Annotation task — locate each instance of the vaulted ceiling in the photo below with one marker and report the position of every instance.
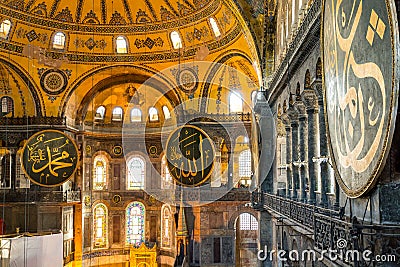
(63, 79)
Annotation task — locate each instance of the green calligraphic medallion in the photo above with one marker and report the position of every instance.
(50, 158)
(359, 41)
(190, 156)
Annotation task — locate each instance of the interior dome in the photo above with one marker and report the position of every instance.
(70, 51)
(91, 30)
(108, 12)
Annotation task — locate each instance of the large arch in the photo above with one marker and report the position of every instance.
(29, 83)
(108, 76)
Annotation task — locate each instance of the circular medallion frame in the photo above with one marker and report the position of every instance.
(117, 150)
(187, 80)
(175, 146)
(56, 155)
(53, 81)
(360, 88)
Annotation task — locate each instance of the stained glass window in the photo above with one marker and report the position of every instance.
(166, 224)
(135, 220)
(136, 172)
(59, 40)
(100, 173)
(100, 226)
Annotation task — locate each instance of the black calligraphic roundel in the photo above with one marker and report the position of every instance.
(49, 158)
(360, 48)
(190, 156)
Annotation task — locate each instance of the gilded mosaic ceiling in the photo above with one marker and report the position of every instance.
(108, 12)
(61, 77)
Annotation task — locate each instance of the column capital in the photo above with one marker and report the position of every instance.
(293, 115)
(300, 107)
(310, 100)
(317, 88)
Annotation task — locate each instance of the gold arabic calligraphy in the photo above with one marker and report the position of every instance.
(352, 94)
(190, 156)
(50, 156)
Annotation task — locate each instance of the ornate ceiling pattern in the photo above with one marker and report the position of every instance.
(107, 12)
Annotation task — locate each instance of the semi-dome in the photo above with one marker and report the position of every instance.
(73, 53)
(123, 30)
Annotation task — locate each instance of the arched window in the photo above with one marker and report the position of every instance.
(245, 168)
(248, 222)
(100, 112)
(215, 27)
(235, 103)
(7, 105)
(5, 168)
(176, 40)
(136, 172)
(100, 226)
(136, 115)
(117, 114)
(166, 226)
(5, 28)
(245, 163)
(167, 114)
(166, 176)
(135, 221)
(153, 114)
(21, 180)
(100, 173)
(59, 40)
(122, 45)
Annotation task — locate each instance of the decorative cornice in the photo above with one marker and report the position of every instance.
(123, 29)
(134, 57)
(307, 36)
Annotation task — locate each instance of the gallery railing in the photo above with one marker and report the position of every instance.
(39, 196)
(37, 120)
(221, 117)
(332, 231)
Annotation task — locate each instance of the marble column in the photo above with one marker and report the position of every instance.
(295, 158)
(289, 184)
(310, 101)
(323, 142)
(231, 159)
(293, 116)
(303, 157)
